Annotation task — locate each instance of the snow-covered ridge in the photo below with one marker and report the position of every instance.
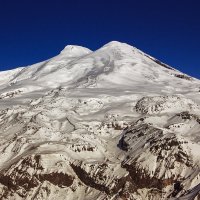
(75, 51)
(164, 104)
(115, 123)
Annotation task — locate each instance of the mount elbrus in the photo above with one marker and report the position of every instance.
(111, 124)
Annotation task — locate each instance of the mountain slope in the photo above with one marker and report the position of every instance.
(111, 124)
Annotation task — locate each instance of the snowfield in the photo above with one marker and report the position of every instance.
(115, 124)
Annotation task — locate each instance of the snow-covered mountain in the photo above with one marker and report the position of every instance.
(115, 123)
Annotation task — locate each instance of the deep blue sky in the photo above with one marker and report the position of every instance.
(35, 30)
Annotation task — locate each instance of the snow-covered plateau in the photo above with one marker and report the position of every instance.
(113, 124)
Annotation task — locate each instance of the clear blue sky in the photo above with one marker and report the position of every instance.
(35, 30)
